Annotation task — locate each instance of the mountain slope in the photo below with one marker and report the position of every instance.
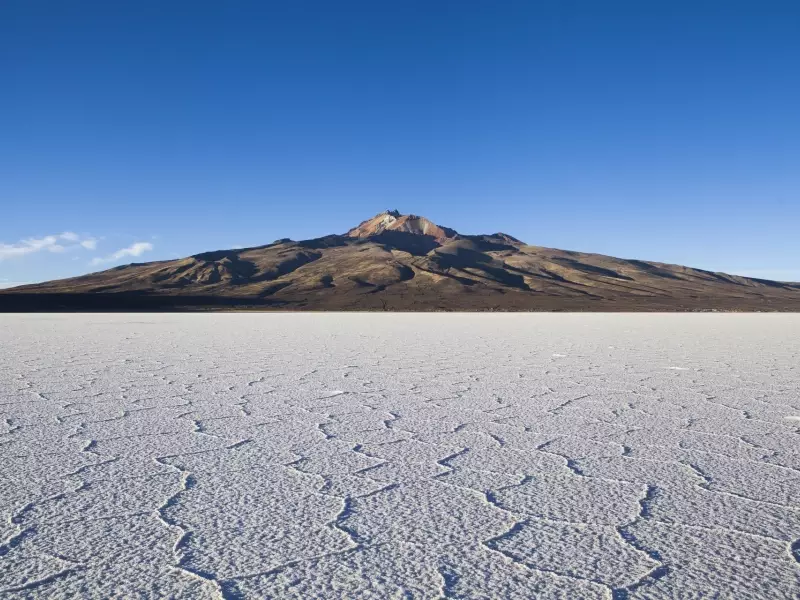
(406, 262)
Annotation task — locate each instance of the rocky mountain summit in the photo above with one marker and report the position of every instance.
(392, 220)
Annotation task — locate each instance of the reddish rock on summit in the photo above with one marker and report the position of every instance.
(392, 220)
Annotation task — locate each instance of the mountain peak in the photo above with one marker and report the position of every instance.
(393, 220)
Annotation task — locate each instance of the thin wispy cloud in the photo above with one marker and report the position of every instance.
(136, 249)
(61, 242)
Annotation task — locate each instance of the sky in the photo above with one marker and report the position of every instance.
(140, 130)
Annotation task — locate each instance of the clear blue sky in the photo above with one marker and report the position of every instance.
(662, 130)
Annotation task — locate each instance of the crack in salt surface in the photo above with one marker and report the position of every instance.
(794, 550)
(570, 463)
(449, 581)
(37, 583)
(492, 544)
(187, 483)
(659, 571)
(707, 481)
(340, 524)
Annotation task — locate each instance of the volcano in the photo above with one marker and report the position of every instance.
(405, 263)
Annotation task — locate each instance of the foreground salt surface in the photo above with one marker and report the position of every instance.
(400, 456)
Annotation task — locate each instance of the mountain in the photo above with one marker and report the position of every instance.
(405, 262)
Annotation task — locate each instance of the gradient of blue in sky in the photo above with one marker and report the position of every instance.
(656, 130)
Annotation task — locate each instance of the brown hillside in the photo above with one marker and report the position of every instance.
(406, 262)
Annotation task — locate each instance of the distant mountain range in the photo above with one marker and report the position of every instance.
(405, 262)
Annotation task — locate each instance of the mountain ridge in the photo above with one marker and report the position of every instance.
(393, 261)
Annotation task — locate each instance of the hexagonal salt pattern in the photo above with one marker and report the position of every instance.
(400, 456)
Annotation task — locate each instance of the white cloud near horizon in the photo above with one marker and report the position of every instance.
(61, 242)
(136, 249)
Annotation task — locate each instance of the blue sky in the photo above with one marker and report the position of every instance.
(144, 130)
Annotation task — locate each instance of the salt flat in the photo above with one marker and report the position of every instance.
(400, 456)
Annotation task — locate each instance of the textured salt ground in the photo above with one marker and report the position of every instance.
(400, 456)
